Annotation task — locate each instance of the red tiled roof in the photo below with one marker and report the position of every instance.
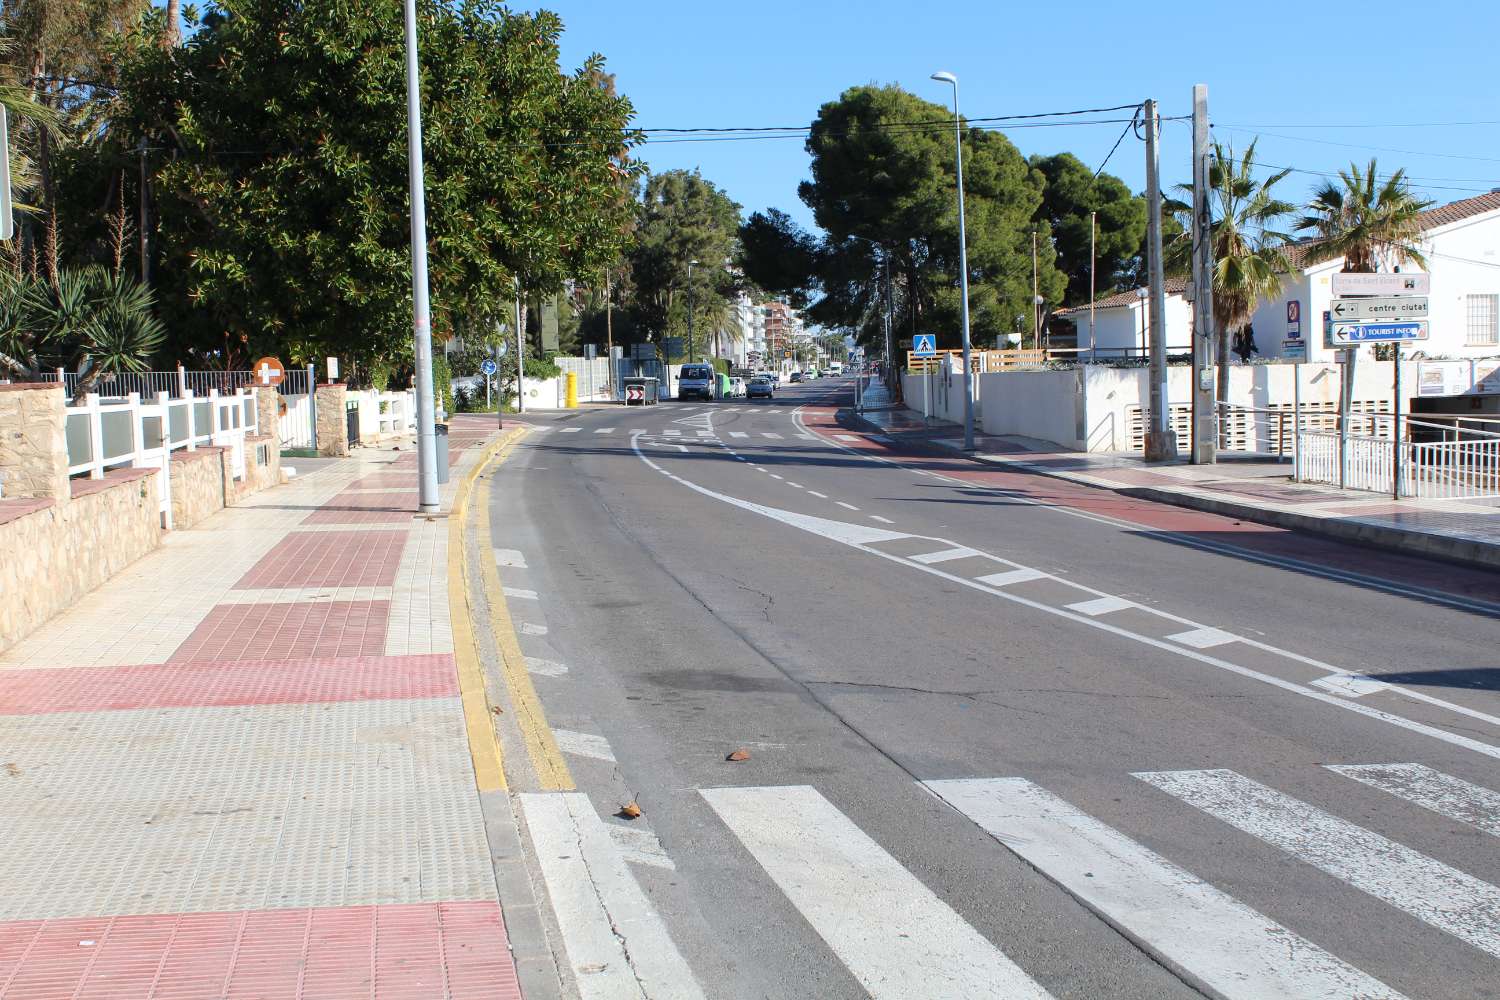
(1174, 286)
(1457, 211)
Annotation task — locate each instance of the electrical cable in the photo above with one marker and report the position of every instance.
(1128, 126)
(1355, 145)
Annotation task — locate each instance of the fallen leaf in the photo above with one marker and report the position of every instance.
(12, 770)
(740, 754)
(630, 810)
(495, 710)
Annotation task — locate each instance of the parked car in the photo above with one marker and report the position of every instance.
(697, 382)
(761, 388)
(796, 376)
(737, 388)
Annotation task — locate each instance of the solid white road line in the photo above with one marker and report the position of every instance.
(1444, 794)
(523, 594)
(584, 745)
(1218, 941)
(1010, 576)
(672, 433)
(891, 931)
(614, 938)
(640, 846)
(510, 557)
(1448, 899)
(1101, 606)
(738, 434)
(944, 555)
(1351, 685)
(1203, 638)
(545, 668)
(775, 476)
(570, 430)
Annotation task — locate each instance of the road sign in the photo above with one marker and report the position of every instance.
(1379, 333)
(1401, 309)
(1294, 349)
(635, 393)
(1382, 284)
(924, 345)
(487, 367)
(269, 371)
(1294, 319)
(7, 216)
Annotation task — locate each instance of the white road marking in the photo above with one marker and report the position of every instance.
(604, 430)
(1101, 605)
(510, 557)
(545, 668)
(738, 434)
(1227, 947)
(531, 628)
(525, 595)
(892, 932)
(1351, 685)
(584, 745)
(848, 437)
(1203, 638)
(808, 437)
(570, 430)
(640, 846)
(795, 486)
(705, 434)
(815, 493)
(1429, 890)
(672, 433)
(639, 430)
(847, 506)
(775, 476)
(1444, 794)
(882, 520)
(945, 555)
(768, 434)
(616, 942)
(1009, 577)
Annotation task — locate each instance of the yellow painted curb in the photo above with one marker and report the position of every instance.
(484, 744)
(541, 746)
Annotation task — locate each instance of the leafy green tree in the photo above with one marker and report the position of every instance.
(281, 177)
(1119, 225)
(1363, 220)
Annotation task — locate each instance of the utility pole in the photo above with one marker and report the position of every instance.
(690, 310)
(1093, 260)
(1205, 415)
(520, 354)
(1036, 312)
(609, 335)
(1161, 441)
(145, 239)
(427, 494)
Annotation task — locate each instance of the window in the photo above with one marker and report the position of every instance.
(1483, 311)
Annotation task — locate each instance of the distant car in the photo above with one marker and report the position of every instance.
(697, 382)
(761, 387)
(737, 388)
(796, 376)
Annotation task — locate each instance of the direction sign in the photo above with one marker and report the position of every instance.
(1379, 333)
(269, 371)
(1382, 310)
(1294, 349)
(487, 367)
(1382, 284)
(924, 345)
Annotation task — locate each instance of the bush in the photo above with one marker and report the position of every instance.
(442, 381)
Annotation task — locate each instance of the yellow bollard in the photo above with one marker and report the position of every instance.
(571, 392)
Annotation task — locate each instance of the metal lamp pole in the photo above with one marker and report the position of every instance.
(963, 260)
(427, 494)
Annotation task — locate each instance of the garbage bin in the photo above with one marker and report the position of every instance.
(440, 451)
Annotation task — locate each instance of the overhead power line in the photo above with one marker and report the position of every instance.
(1354, 145)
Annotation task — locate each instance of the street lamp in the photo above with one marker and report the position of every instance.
(963, 261)
(1036, 314)
(1142, 294)
(691, 263)
(427, 484)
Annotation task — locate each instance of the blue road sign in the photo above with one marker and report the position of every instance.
(924, 345)
(1379, 333)
(488, 367)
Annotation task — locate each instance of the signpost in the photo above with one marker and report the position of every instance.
(924, 345)
(1294, 348)
(1416, 283)
(1402, 309)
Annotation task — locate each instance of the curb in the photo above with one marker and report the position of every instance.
(1467, 551)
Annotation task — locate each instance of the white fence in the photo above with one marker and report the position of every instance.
(1463, 461)
(104, 435)
(177, 383)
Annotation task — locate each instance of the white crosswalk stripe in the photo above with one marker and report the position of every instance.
(604, 430)
(1229, 948)
(1445, 795)
(769, 434)
(945, 555)
(1435, 893)
(738, 434)
(893, 933)
(570, 430)
(616, 942)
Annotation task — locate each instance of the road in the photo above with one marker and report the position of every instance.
(1007, 737)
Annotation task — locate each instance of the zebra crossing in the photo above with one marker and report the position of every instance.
(897, 938)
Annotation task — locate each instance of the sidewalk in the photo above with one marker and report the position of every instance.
(1462, 530)
(240, 768)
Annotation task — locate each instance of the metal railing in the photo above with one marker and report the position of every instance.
(1435, 456)
(177, 383)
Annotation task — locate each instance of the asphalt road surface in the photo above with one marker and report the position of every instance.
(1007, 737)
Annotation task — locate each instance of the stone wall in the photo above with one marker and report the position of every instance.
(52, 557)
(33, 448)
(197, 485)
(333, 426)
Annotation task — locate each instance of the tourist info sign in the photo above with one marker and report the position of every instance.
(1345, 334)
(1400, 310)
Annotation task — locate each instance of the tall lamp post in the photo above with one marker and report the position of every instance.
(691, 263)
(1143, 294)
(963, 260)
(427, 493)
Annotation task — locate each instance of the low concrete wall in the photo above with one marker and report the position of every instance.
(1039, 404)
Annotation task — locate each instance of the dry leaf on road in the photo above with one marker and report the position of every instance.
(629, 810)
(740, 754)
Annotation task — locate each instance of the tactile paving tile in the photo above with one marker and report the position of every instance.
(183, 810)
(235, 682)
(288, 631)
(419, 621)
(455, 950)
(329, 559)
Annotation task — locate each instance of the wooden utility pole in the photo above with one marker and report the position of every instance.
(1205, 416)
(1161, 441)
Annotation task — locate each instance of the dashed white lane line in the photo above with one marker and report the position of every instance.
(882, 520)
(795, 486)
(775, 476)
(510, 557)
(945, 555)
(1203, 638)
(519, 592)
(768, 434)
(1439, 895)
(1237, 952)
(1444, 794)
(570, 430)
(815, 493)
(1009, 577)
(738, 434)
(846, 506)
(672, 433)
(584, 745)
(1101, 606)
(604, 430)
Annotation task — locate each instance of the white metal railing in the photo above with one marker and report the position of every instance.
(177, 383)
(1432, 457)
(106, 433)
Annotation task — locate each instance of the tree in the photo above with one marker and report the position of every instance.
(1363, 222)
(1249, 262)
(1119, 225)
(778, 256)
(281, 184)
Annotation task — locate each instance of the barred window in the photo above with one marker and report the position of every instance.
(1483, 311)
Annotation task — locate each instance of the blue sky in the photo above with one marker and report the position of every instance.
(1305, 76)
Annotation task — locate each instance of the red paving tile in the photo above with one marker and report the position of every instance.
(385, 480)
(421, 951)
(234, 682)
(329, 559)
(370, 517)
(288, 631)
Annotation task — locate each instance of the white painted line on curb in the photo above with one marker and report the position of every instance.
(892, 932)
(545, 668)
(1444, 794)
(1444, 897)
(1233, 950)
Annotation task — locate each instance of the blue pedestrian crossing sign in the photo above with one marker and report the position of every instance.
(488, 367)
(924, 345)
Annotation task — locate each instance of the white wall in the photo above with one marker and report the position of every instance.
(1038, 404)
(1118, 328)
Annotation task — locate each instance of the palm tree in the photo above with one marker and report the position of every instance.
(1249, 262)
(1362, 222)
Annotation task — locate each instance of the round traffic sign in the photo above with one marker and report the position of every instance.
(488, 366)
(269, 372)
